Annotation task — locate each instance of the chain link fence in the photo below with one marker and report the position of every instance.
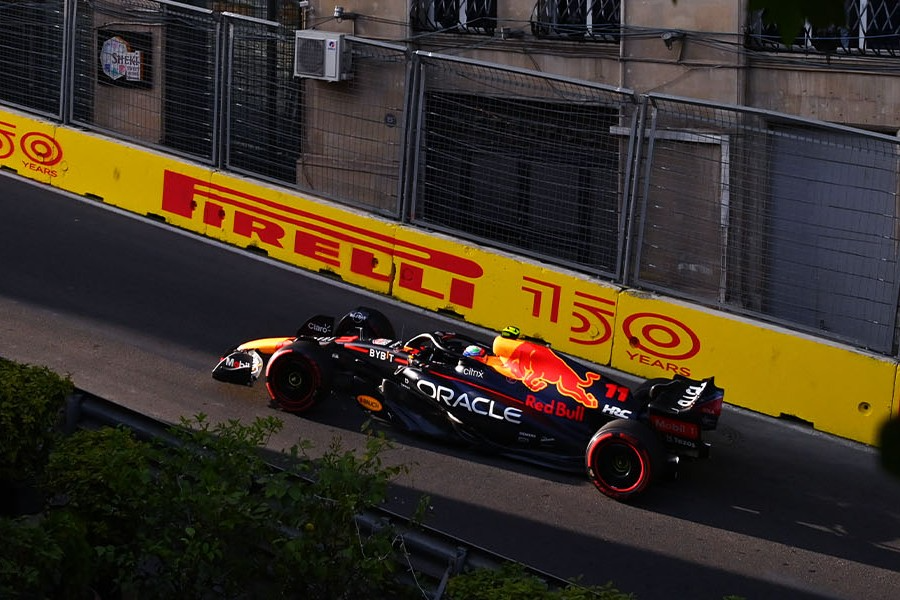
(262, 101)
(534, 163)
(32, 61)
(148, 72)
(762, 214)
(773, 216)
(354, 138)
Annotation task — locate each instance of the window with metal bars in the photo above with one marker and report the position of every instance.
(871, 27)
(586, 19)
(454, 16)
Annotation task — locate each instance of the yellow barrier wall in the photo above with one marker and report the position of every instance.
(762, 368)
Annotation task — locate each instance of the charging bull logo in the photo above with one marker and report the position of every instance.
(537, 366)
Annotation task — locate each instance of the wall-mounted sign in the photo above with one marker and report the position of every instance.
(125, 58)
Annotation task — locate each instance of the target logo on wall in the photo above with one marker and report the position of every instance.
(40, 151)
(660, 341)
(41, 148)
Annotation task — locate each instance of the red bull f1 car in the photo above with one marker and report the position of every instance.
(515, 396)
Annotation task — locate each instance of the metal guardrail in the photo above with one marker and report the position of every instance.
(433, 556)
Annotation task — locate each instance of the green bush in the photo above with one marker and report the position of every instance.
(206, 517)
(331, 558)
(513, 582)
(32, 402)
(44, 558)
(105, 479)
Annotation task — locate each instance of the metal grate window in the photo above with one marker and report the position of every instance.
(523, 162)
(263, 101)
(170, 100)
(31, 59)
(788, 220)
(454, 16)
(871, 27)
(589, 19)
(878, 26)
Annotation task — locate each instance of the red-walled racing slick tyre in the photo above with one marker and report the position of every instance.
(297, 377)
(623, 457)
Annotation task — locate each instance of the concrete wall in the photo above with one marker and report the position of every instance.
(869, 99)
(691, 63)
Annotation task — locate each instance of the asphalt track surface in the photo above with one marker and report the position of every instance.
(138, 313)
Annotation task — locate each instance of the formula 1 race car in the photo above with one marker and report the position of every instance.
(515, 396)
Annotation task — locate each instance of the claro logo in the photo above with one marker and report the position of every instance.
(473, 404)
(319, 328)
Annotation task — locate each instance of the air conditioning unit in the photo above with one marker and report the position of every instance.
(321, 55)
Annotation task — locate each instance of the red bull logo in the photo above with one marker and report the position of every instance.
(555, 407)
(537, 366)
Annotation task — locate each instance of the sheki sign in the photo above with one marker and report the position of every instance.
(118, 60)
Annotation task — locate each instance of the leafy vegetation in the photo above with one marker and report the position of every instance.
(207, 517)
(32, 400)
(792, 15)
(513, 582)
(202, 515)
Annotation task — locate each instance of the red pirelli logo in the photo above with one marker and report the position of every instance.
(336, 245)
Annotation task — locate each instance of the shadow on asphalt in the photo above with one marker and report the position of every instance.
(765, 481)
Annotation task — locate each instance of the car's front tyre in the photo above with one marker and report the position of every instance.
(297, 376)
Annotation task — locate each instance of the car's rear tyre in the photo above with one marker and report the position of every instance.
(623, 458)
(297, 376)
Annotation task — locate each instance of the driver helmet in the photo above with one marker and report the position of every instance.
(511, 331)
(474, 351)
